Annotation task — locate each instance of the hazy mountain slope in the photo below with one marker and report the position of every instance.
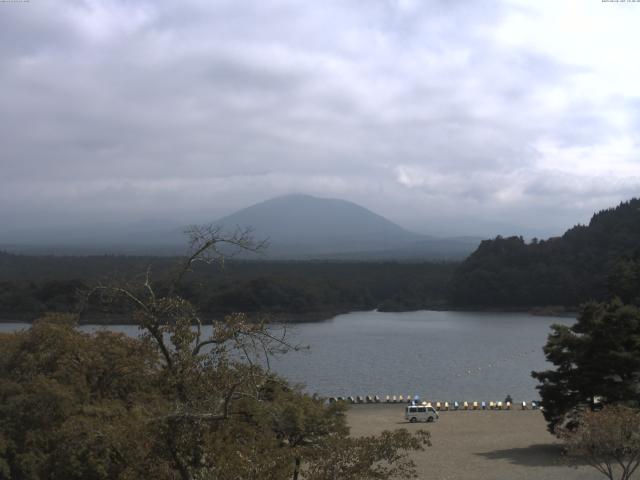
(296, 226)
(149, 236)
(302, 224)
(441, 249)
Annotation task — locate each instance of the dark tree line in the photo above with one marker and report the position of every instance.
(30, 286)
(592, 262)
(578, 266)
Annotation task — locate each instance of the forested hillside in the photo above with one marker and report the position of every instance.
(299, 291)
(589, 262)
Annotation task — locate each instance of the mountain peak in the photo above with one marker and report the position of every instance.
(322, 224)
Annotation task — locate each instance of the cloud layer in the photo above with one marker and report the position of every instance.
(448, 117)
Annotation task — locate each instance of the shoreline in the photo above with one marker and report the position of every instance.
(122, 319)
(305, 317)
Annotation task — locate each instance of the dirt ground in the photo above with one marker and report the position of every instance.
(474, 445)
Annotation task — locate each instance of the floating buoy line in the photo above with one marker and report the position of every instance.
(476, 370)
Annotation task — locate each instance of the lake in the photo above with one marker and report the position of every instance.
(437, 355)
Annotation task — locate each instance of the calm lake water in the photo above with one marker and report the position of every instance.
(437, 355)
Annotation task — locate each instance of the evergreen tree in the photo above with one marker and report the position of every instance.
(597, 357)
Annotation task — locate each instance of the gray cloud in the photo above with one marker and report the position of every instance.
(423, 111)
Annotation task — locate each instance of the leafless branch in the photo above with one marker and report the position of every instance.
(204, 241)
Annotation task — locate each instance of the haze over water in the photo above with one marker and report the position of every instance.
(437, 355)
(440, 355)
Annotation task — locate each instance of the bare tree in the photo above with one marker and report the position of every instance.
(224, 416)
(208, 376)
(210, 244)
(608, 440)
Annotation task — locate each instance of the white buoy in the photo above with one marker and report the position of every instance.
(400, 399)
(499, 405)
(446, 405)
(524, 405)
(456, 405)
(438, 406)
(387, 399)
(394, 399)
(507, 405)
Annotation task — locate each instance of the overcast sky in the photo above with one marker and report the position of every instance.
(444, 116)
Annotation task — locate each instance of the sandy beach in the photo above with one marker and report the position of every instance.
(496, 445)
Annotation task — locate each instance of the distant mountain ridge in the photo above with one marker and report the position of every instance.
(296, 226)
(306, 218)
(303, 226)
(318, 225)
(580, 265)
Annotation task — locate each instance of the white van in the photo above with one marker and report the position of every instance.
(415, 413)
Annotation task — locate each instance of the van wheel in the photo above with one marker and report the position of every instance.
(429, 419)
(413, 420)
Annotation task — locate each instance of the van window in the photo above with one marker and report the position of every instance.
(413, 409)
(422, 409)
